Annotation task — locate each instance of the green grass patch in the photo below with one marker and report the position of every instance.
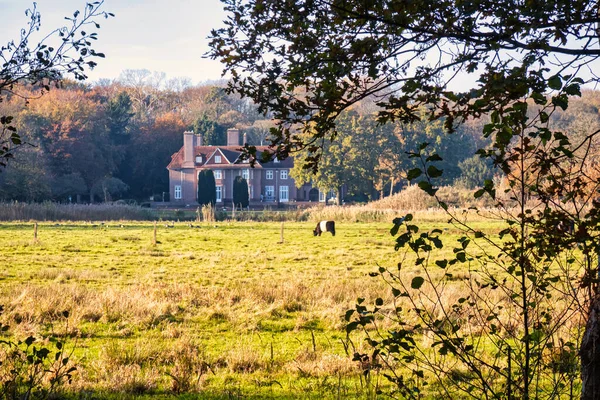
(219, 310)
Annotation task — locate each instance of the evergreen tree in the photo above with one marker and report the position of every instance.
(212, 133)
(475, 171)
(118, 117)
(207, 189)
(240, 192)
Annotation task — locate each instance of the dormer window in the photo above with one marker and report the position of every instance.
(218, 159)
(198, 159)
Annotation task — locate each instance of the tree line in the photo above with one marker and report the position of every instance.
(113, 140)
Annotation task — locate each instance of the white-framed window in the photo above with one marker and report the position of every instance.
(219, 194)
(218, 174)
(321, 196)
(217, 159)
(269, 174)
(198, 159)
(284, 193)
(246, 174)
(283, 174)
(270, 192)
(178, 192)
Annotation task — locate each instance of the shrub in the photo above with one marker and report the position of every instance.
(32, 371)
(240, 192)
(207, 192)
(108, 188)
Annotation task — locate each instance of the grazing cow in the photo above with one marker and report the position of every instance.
(325, 226)
(567, 226)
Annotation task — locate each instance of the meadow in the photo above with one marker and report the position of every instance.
(220, 310)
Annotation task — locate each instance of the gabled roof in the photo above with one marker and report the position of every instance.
(231, 154)
(210, 160)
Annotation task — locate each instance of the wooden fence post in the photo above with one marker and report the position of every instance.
(281, 233)
(35, 229)
(154, 238)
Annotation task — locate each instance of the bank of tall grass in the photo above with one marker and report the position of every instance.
(49, 211)
(411, 199)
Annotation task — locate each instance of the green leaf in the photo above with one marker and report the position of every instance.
(538, 98)
(434, 172)
(414, 173)
(417, 282)
(561, 101)
(427, 188)
(504, 136)
(398, 222)
(555, 82)
(348, 315)
(351, 326)
(434, 157)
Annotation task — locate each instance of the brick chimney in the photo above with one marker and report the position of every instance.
(189, 141)
(233, 137)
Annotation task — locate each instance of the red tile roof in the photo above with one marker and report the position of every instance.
(232, 154)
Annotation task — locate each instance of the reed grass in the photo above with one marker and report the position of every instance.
(49, 211)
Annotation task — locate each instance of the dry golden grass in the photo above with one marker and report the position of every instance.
(218, 309)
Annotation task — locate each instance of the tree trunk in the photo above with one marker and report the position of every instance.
(590, 354)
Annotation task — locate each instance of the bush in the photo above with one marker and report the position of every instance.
(207, 189)
(108, 188)
(29, 370)
(240, 192)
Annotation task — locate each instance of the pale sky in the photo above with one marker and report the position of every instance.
(159, 35)
(167, 36)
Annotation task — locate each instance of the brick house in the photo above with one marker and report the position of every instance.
(267, 182)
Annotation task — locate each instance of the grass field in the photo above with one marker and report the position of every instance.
(224, 309)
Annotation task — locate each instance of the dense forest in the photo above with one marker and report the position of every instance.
(113, 140)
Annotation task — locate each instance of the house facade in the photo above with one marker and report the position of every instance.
(267, 182)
